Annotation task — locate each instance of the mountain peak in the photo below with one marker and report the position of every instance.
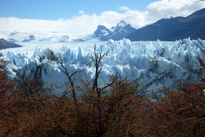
(102, 31)
(101, 27)
(121, 24)
(120, 31)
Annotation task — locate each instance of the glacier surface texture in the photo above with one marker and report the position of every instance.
(151, 65)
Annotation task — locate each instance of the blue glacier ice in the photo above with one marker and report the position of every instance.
(151, 65)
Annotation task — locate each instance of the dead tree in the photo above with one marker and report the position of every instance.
(70, 78)
(96, 58)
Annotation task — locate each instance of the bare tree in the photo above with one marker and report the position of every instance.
(70, 78)
(96, 58)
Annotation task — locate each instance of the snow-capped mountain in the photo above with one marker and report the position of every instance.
(30, 38)
(102, 32)
(120, 31)
(151, 65)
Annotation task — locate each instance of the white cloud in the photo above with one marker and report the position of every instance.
(167, 8)
(85, 23)
(81, 12)
(124, 8)
(82, 24)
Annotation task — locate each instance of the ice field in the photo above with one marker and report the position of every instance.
(151, 65)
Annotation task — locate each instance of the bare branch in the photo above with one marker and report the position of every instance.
(69, 77)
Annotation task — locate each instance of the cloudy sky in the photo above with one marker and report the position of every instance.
(78, 17)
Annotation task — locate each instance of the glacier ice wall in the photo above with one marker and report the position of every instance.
(151, 65)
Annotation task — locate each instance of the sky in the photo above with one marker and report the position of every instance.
(80, 17)
(55, 9)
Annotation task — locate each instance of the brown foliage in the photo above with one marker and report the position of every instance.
(114, 110)
(5, 83)
(106, 111)
(181, 113)
(117, 105)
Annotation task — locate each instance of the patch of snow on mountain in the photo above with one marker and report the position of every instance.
(104, 32)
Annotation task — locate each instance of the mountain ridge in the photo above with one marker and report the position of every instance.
(118, 32)
(170, 29)
(6, 44)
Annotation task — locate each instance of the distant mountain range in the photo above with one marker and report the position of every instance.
(120, 31)
(170, 29)
(6, 44)
(192, 26)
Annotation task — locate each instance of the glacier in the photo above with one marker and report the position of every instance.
(152, 65)
(25, 37)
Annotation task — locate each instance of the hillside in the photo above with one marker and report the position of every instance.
(192, 26)
(6, 44)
